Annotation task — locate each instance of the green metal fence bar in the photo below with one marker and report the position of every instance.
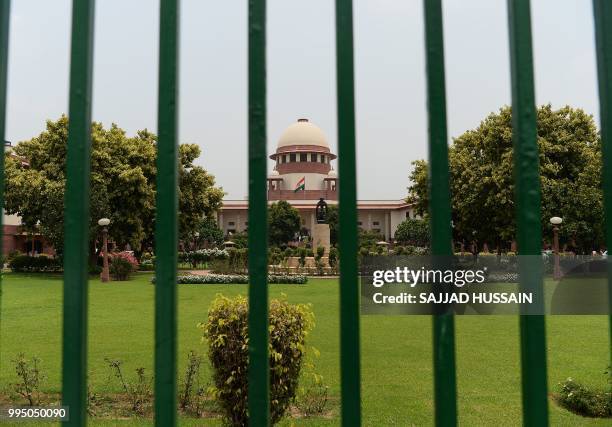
(527, 196)
(258, 219)
(5, 9)
(603, 40)
(166, 221)
(76, 214)
(348, 234)
(445, 383)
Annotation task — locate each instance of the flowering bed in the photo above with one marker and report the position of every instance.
(293, 279)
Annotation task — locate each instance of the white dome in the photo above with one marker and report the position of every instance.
(303, 133)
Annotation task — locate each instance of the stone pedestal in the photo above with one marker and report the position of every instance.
(320, 237)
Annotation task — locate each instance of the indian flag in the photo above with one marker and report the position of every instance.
(301, 185)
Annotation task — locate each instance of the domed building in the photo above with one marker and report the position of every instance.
(303, 173)
(303, 169)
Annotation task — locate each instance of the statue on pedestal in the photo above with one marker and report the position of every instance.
(321, 211)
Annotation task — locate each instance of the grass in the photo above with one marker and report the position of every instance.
(396, 351)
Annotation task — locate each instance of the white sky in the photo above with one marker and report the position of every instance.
(389, 61)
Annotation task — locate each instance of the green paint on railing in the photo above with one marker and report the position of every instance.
(527, 196)
(5, 9)
(445, 383)
(348, 235)
(166, 221)
(76, 214)
(258, 219)
(603, 40)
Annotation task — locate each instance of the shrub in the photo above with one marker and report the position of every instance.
(202, 256)
(139, 392)
(332, 257)
(238, 259)
(275, 256)
(313, 396)
(227, 332)
(221, 279)
(288, 252)
(37, 264)
(302, 253)
(30, 379)
(320, 252)
(193, 396)
(122, 265)
(581, 400)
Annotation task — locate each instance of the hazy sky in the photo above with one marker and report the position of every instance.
(389, 61)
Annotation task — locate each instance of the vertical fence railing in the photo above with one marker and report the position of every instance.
(258, 218)
(602, 10)
(445, 386)
(166, 219)
(5, 9)
(76, 214)
(348, 235)
(528, 212)
(526, 171)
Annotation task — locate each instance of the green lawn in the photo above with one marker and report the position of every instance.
(396, 350)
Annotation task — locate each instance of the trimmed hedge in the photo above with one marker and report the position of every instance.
(35, 264)
(211, 279)
(202, 255)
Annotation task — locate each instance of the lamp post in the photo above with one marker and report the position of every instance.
(196, 236)
(103, 222)
(556, 221)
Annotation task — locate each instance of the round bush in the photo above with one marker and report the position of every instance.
(227, 333)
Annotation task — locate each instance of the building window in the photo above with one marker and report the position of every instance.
(303, 157)
(408, 214)
(322, 158)
(292, 157)
(313, 157)
(376, 223)
(231, 223)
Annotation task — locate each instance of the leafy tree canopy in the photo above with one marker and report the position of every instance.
(123, 175)
(209, 232)
(284, 222)
(413, 231)
(482, 188)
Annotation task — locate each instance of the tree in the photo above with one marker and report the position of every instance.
(210, 233)
(284, 222)
(123, 173)
(413, 231)
(482, 186)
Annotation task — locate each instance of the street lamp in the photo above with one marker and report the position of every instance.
(103, 222)
(556, 221)
(196, 235)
